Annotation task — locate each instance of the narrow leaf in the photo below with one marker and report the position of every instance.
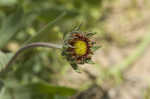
(10, 26)
(4, 58)
(94, 48)
(45, 88)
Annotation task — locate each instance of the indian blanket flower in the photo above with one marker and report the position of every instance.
(78, 48)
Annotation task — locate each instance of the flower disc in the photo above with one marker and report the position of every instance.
(80, 47)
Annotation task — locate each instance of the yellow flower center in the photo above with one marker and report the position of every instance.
(80, 47)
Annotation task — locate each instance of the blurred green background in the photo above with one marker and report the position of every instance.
(122, 28)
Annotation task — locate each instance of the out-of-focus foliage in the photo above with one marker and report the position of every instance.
(33, 90)
(4, 58)
(11, 23)
(25, 21)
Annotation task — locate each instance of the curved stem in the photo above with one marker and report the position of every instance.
(28, 46)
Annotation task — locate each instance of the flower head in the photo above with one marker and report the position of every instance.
(78, 48)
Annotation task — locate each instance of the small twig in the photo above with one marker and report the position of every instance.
(32, 45)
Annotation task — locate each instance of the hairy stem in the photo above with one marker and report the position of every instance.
(28, 46)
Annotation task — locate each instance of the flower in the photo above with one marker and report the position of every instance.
(78, 48)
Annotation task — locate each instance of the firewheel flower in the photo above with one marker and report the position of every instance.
(78, 48)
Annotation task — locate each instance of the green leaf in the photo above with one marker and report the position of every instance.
(7, 2)
(60, 97)
(1, 85)
(89, 34)
(4, 58)
(44, 34)
(94, 2)
(94, 48)
(45, 88)
(75, 67)
(90, 61)
(36, 90)
(10, 26)
(14, 90)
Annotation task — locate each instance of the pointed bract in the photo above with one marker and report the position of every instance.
(78, 48)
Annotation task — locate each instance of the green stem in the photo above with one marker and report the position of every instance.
(32, 45)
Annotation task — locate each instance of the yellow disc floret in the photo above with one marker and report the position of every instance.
(80, 47)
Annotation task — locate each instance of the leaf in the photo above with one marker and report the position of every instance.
(94, 48)
(45, 88)
(94, 2)
(90, 61)
(38, 90)
(14, 90)
(1, 85)
(49, 14)
(75, 67)
(89, 34)
(10, 26)
(7, 2)
(60, 97)
(44, 34)
(4, 58)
